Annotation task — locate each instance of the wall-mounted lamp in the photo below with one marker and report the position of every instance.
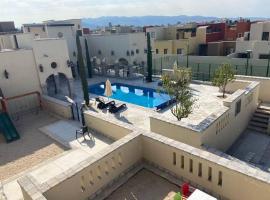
(41, 69)
(70, 63)
(6, 74)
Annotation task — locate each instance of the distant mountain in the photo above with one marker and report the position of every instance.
(143, 21)
(149, 20)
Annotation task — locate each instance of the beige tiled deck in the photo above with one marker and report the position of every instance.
(31, 149)
(207, 103)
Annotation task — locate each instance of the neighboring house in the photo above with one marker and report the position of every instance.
(212, 39)
(257, 42)
(114, 47)
(7, 27)
(65, 29)
(221, 37)
(34, 65)
(177, 39)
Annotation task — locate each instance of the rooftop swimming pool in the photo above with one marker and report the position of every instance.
(141, 96)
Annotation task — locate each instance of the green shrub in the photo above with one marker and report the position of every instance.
(178, 196)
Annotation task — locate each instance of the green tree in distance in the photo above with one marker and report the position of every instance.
(82, 71)
(149, 59)
(222, 76)
(88, 61)
(177, 87)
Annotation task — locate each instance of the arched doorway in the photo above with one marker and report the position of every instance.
(64, 85)
(123, 62)
(58, 86)
(51, 86)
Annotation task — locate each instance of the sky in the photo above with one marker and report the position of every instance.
(29, 11)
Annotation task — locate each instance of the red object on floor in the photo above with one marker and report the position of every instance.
(185, 189)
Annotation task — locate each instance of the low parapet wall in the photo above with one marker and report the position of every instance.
(218, 130)
(212, 171)
(102, 124)
(264, 92)
(56, 106)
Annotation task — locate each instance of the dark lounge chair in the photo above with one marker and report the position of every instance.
(114, 109)
(102, 105)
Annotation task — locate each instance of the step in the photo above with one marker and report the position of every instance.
(260, 119)
(261, 115)
(267, 113)
(261, 130)
(264, 107)
(258, 124)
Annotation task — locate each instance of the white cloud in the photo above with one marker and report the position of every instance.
(26, 11)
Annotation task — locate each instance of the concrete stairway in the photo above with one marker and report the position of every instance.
(260, 119)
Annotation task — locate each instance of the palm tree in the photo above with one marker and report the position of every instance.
(82, 71)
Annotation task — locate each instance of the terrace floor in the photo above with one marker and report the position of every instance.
(207, 103)
(47, 147)
(145, 185)
(254, 148)
(31, 149)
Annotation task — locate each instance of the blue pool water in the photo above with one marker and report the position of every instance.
(141, 96)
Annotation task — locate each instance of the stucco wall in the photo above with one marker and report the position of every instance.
(112, 130)
(235, 185)
(57, 107)
(120, 44)
(175, 131)
(51, 50)
(223, 127)
(228, 127)
(69, 35)
(21, 66)
(264, 92)
(99, 173)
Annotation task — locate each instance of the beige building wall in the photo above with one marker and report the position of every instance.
(119, 44)
(21, 67)
(7, 42)
(264, 92)
(38, 31)
(47, 51)
(170, 42)
(69, 34)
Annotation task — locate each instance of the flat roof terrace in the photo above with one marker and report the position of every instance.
(207, 103)
(254, 148)
(31, 149)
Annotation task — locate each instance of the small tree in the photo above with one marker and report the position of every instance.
(82, 71)
(222, 76)
(177, 87)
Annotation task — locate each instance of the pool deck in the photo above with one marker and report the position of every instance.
(206, 103)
